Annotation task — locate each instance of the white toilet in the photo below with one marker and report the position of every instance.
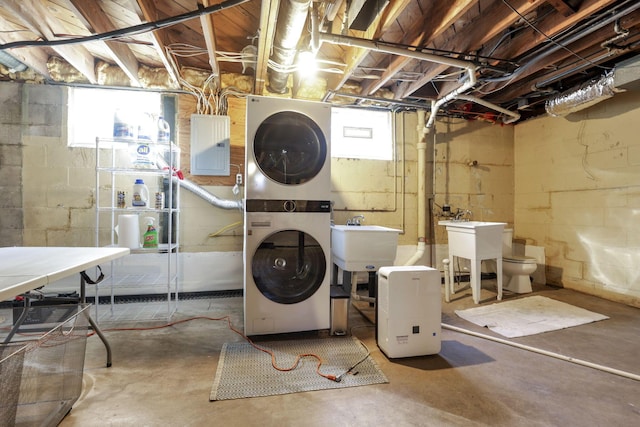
(516, 269)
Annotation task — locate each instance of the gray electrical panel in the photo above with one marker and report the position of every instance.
(210, 145)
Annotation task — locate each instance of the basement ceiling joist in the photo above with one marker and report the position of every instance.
(523, 51)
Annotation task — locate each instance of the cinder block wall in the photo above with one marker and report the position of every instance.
(11, 212)
(577, 193)
(486, 188)
(57, 181)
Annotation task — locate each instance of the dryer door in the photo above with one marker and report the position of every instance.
(289, 266)
(290, 148)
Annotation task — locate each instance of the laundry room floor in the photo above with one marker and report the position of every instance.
(163, 377)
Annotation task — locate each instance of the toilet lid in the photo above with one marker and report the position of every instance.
(520, 259)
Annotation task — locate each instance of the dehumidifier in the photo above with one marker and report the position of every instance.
(408, 311)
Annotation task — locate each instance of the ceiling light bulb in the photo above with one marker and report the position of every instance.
(307, 65)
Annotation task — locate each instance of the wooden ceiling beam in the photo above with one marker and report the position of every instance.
(354, 55)
(439, 18)
(34, 58)
(101, 23)
(34, 16)
(210, 40)
(475, 34)
(150, 14)
(556, 62)
(563, 7)
(550, 27)
(268, 18)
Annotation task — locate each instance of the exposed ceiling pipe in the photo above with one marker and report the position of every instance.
(455, 94)
(385, 48)
(566, 40)
(291, 19)
(514, 115)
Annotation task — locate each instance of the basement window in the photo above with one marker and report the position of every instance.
(361, 134)
(91, 112)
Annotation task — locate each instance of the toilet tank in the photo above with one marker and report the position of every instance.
(507, 241)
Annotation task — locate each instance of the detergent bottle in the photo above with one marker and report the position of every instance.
(140, 194)
(150, 238)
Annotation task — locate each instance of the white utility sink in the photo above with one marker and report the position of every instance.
(476, 241)
(363, 247)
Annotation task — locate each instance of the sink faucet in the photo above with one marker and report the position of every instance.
(356, 220)
(460, 215)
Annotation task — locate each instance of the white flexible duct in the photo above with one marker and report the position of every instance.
(205, 195)
(199, 191)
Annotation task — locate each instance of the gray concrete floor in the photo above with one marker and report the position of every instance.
(163, 377)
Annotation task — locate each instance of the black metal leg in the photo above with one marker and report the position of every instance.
(102, 337)
(373, 280)
(93, 323)
(21, 319)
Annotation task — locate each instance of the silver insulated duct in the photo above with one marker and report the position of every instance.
(291, 19)
(208, 197)
(583, 97)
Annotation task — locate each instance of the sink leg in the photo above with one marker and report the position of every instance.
(475, 279)
(452, 279)
(499, 274)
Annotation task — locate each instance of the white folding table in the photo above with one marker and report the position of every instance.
(24, 269)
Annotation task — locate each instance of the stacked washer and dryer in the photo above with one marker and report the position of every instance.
(287, 255)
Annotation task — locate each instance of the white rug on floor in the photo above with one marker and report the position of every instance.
(529, 316)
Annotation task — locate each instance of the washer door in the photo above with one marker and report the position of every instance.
(290, 148)
(289, 266)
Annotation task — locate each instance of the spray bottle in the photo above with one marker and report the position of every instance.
(150, 237)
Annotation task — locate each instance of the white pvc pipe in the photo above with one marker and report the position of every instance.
(514, 116)
(422, 191)
(354, 289)
(545, 352)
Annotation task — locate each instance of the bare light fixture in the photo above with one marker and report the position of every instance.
(306, 65)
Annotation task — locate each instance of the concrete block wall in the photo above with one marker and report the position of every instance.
(385, 192)
(486, 188)
(577, 194)
(57, 181)
(11, 212)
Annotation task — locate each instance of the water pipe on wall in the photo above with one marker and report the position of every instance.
(422, 191)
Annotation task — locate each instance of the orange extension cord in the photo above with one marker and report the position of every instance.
(274, 363)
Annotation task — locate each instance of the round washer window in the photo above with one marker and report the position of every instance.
(290, 148)
(289, 266)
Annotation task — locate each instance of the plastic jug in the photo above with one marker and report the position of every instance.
(164, 131)
(123, 127)
(140, 194)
